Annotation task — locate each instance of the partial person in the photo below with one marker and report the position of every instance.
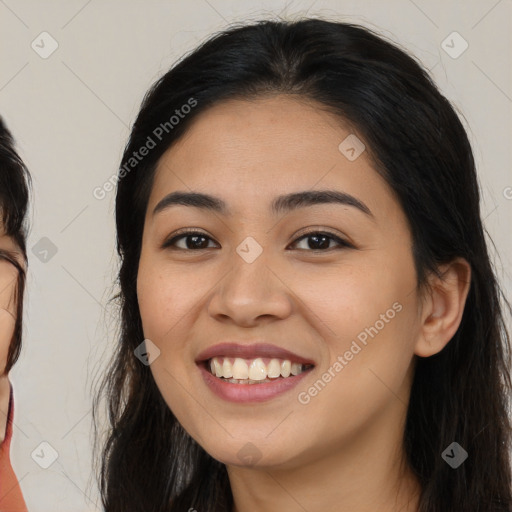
(14, 196)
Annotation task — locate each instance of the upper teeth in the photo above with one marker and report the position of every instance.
(253, 369)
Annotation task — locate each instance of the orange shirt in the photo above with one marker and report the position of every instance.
(11, 498)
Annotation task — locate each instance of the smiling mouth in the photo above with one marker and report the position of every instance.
(259, 370)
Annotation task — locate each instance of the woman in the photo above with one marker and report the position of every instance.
(309, 317)
(14, 179)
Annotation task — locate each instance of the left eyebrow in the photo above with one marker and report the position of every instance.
(281, 204)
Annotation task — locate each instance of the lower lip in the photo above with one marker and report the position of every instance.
(250, 392)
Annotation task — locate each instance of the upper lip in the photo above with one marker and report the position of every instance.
(251, 352)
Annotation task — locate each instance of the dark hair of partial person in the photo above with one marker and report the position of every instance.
(14, 195)
(419, 146)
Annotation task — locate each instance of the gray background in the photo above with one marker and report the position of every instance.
(71, 112)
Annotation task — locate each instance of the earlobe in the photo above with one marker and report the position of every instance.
(443, 306)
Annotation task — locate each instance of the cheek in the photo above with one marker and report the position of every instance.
(7, 325)
(349, 300)
(8, 279)
(154, 298)
(367, 316)
(165, 305)
(168, 301)
(157, 297)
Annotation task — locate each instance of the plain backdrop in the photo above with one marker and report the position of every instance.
(70, 114)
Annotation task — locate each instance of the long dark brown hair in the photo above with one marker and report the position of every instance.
(14, 195)
(148, 462)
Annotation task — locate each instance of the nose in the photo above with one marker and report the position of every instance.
(251, 292)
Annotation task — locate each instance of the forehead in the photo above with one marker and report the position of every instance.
(255, 149)
(277, 129)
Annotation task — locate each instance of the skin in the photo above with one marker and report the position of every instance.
(8, 278)
(342, 450)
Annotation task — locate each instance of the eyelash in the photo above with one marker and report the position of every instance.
(186, 233)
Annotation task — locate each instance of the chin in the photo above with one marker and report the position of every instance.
(245, 453)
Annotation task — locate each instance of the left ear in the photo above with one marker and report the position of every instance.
(443, 306)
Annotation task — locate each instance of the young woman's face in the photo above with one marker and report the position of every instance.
(349, 307)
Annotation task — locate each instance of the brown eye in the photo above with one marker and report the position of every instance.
(194, 240)
(320, 241)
